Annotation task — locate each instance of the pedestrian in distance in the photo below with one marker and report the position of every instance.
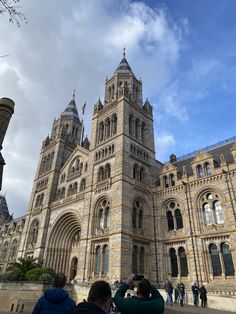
(56, 299)
(195, 291)
(99, 300)
(181, 291)
(147, 301)
(169, 291)
(203, 296)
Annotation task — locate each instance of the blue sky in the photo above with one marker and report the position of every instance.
(184, 51)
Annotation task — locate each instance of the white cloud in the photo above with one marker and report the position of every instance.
(65, 46)
(164, 142)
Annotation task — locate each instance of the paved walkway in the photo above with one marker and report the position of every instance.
(176, 308)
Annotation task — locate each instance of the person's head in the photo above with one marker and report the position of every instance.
(144, 288)
(59, 280)
(100, 294)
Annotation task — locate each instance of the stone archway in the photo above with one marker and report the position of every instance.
(63, 233)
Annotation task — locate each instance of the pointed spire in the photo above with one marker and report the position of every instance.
(124, 66)
(71, 109)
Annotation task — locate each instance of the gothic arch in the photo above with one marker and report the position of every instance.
(210, 188)
(61, 237)
(102, 211)
(169, 200)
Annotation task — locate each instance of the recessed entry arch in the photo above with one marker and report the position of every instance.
(61, 238)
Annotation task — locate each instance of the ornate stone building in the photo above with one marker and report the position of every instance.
(109, 208)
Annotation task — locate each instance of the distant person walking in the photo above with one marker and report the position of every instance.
(169, 291)
(195, 291)
(181, 291)
(55, 300)
(203, 296)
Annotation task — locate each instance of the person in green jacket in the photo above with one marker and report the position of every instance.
(147, 301)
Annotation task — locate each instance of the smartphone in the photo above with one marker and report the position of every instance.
(138, 277)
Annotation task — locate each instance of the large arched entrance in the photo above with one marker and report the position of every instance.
(63, 235)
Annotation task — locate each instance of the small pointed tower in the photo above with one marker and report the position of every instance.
(56, 149)
(122, 143)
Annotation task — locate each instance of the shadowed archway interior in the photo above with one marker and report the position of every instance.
(60, 242)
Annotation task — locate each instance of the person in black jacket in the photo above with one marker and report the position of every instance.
(203, 296)
(99, 299)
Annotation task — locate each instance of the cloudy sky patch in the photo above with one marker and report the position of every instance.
(184, 55)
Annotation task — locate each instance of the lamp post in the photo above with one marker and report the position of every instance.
(6, 111)
(191, 230)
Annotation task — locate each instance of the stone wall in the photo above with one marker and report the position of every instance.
(19, 296)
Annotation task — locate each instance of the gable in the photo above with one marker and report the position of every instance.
(201, 156)
(168, 168)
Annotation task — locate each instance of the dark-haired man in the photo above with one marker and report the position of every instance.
(99, 299)
(147, 301)
(56, 299)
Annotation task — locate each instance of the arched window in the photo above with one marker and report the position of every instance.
(141, 261)
(170, 221)
(114, 124)
(107, 217)
(212, 209)
(98, 260)
(140, 219)
(137, 125)
(13, 251)
(178, 219)
(199, 171)
(227, 259)
(108, 127)
(75, 187)
(215, 260)
(101, 131)
(103, 214)
(141, 175)
(219, 216)
(63, 192)
(135, 172)
(105, 259)
(207, 169)
(172, 180)
(131, 122)
(183, 262)
(4, 251)
(166, 182)
(73, 267)
(173, 262)
(135, 259)
(101, 174)
(82, 185)
(143, 130)
(208, 214)
(70, 190)
(100, 218)
(107, 171)
(134, 216)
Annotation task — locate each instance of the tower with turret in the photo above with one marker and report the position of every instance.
(57, 147)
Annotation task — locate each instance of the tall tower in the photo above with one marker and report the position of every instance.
(56, 149)
(122, 143)
(6, 111)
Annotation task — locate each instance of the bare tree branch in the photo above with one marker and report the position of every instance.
(12, 8)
